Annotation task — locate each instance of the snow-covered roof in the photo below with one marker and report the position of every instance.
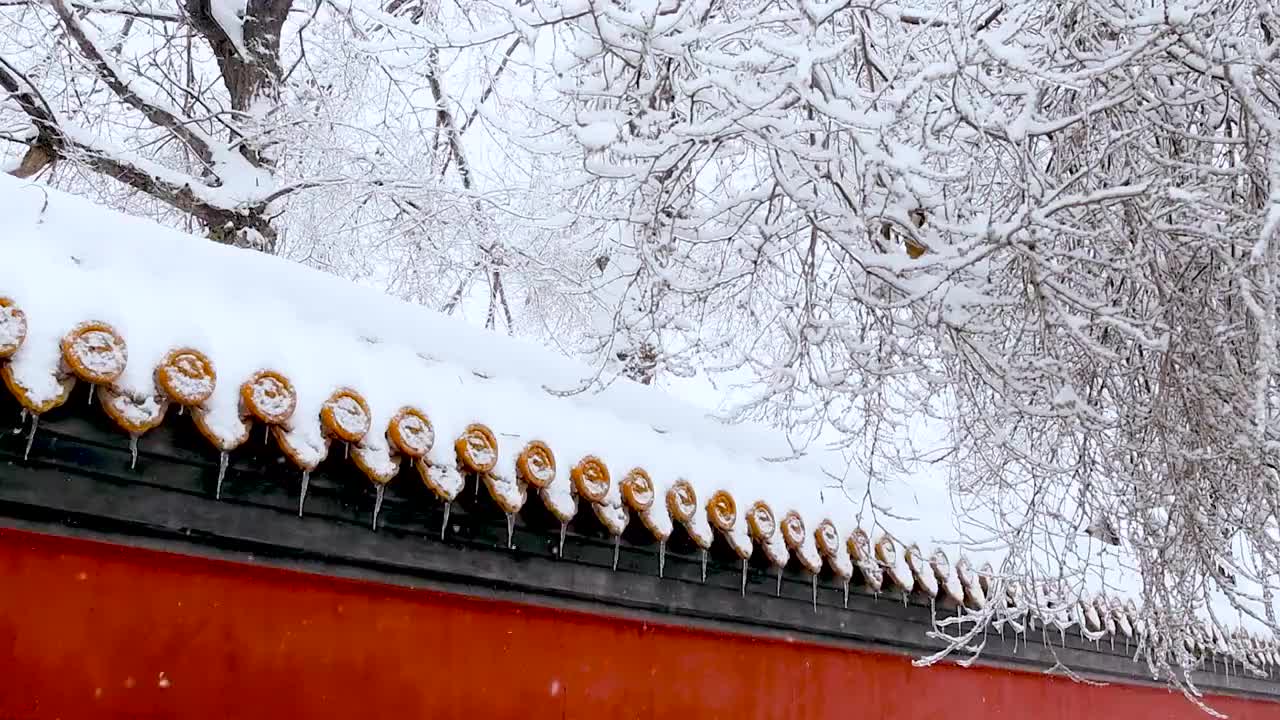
(158, 320)
(108, 298)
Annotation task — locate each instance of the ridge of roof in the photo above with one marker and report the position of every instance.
(157, 321)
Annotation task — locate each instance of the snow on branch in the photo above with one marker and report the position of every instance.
(134, 10)
(127, 91)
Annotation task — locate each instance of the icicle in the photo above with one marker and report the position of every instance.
(133, 452)
(564, 525)
(346, 451)
(778, 591)
(31, 436)
(846, 593)
(744, 577)
(377, 503)
(1063, 631)
(1113, 643)
(704, 565)
(182, 409)
(444, 524)
(92, 388)
(302, 497)
(511, 530)
(662, 557)
(904, 600)
(815, 592)
(266, 434)
(223, 459)
(617, 542)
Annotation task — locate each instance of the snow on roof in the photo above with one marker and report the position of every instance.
(68, 261)
(90, 295)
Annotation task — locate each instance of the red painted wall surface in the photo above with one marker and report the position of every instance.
(103, 631)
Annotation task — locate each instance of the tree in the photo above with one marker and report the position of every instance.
(298, 128)
(229, 184)
(1048, 226)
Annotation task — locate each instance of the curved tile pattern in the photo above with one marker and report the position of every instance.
(96, 354)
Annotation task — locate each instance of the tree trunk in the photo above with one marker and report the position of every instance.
(251, 73)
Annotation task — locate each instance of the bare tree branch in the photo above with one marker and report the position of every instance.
(162, 117)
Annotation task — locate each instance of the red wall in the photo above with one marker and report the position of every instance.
(97, 630)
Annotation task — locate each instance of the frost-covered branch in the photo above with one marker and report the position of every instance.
(168, 118)
(110, 8)
(1046, 226)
